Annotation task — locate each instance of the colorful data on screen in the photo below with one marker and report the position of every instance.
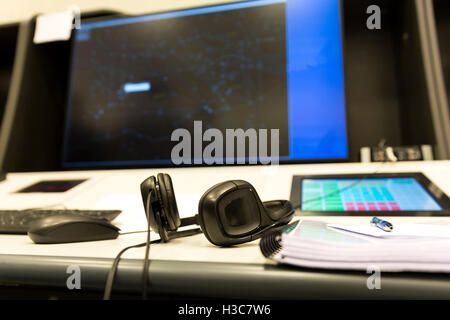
(386, 194)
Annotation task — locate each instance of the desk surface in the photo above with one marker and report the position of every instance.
(193, 263)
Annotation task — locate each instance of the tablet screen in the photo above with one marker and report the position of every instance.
(51, 186)
(371, 194)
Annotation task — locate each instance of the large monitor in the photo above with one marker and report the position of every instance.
(264, 64)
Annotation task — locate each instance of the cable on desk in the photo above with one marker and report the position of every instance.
(147, 251)
(147, 243)
(131, 232)
(112, 271)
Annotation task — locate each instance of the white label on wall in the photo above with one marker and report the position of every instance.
(53, 27)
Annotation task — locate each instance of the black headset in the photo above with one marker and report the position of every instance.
(229, 213)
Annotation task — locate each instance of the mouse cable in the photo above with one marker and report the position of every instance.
(131, 232)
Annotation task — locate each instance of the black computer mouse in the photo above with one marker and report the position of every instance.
(66, 228)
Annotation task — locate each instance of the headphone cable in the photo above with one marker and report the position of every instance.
(112, 271)
(147, 243)
(147, 251)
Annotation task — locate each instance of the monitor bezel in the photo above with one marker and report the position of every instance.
(433, 190)
(91, 165)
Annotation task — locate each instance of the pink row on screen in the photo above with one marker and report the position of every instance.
(372, 206)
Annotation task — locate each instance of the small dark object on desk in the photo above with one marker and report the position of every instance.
(67, 228)
(51, 186)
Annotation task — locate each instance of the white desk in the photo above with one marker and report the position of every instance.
(119, 189)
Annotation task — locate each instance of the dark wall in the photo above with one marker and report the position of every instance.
(386, 91)
(35, 141)
(8, 38)
(35, 138)
(442, 13)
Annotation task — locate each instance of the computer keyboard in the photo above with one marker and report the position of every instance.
(17, 221)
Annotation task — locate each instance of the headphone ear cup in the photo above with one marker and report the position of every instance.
(148, 187)
(169, 203)
(149, 192)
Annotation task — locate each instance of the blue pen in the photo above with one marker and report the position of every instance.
(382, 224)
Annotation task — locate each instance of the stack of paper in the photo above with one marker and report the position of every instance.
(422, 248)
